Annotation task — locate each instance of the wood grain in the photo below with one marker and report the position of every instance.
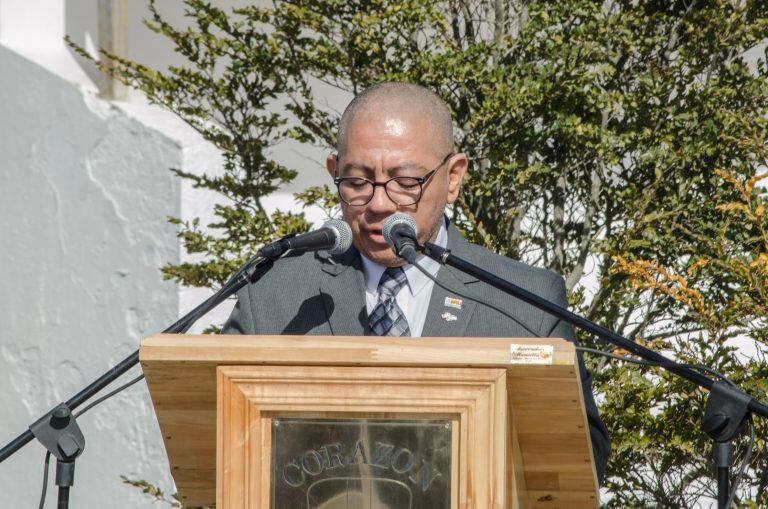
(532, 414)
(472, 396)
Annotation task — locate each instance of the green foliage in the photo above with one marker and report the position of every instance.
(152, 491)
(157, 495)
(231, 93)
(609, 140)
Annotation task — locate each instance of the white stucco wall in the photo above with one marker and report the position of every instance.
(84, 196)
(85, 193)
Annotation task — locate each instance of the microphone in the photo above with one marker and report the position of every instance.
(335, 236)
(400, 232)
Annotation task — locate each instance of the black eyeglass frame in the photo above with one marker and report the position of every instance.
(419, 180)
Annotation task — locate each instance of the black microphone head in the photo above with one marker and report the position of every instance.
(398, 220)
(343, 234)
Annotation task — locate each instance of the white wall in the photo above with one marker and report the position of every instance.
(85, 193)
(84, 196)
(36, 24)
(155, 51)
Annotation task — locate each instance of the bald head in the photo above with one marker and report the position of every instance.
(388, 133)
(405, 102)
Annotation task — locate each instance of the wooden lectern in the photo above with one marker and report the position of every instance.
(293, 422)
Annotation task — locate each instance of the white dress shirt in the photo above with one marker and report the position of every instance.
(413, 298)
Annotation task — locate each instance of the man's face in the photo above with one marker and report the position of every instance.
(390, 146)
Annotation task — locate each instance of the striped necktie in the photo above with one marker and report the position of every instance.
(387, 319)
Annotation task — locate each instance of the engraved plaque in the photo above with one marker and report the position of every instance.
(360, 464)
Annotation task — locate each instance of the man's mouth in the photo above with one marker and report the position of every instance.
(376, 236)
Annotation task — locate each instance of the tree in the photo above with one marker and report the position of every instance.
(617, 143)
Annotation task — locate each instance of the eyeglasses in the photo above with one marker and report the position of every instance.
(403, 191)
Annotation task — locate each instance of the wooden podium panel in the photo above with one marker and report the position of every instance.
(473, 399)
(521, 430)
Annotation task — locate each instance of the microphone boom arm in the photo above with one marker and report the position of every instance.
(445, 257)
(727, 407)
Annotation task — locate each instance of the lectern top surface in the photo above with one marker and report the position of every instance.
(360, 351)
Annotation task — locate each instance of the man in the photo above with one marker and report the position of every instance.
(395, 154)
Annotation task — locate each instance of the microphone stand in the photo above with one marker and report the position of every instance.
(727, 407)
(58, 430)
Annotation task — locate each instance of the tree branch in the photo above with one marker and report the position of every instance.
(585, 243)
(558, 226)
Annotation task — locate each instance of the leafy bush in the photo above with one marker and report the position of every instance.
(618, 143)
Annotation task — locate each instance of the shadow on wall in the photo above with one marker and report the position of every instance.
(81, 23)
(143, 45)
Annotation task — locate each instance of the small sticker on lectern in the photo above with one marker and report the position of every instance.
(531, 354)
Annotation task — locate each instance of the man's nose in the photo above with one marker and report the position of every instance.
(380, 203)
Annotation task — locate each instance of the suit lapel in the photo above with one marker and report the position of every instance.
(445, 320)
(450, 320)
(342, 289)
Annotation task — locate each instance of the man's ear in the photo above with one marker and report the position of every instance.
(457, 168)
(330, 164)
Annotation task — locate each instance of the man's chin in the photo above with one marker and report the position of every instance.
(383, 256)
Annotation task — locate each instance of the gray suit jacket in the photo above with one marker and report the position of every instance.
(318, 294)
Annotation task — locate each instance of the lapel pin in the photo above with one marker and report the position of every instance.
(453, 302)
(448, 317)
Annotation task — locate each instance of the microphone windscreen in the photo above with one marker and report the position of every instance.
(343, 236)
(395, 220)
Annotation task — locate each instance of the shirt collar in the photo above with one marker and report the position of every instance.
(416, 279)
